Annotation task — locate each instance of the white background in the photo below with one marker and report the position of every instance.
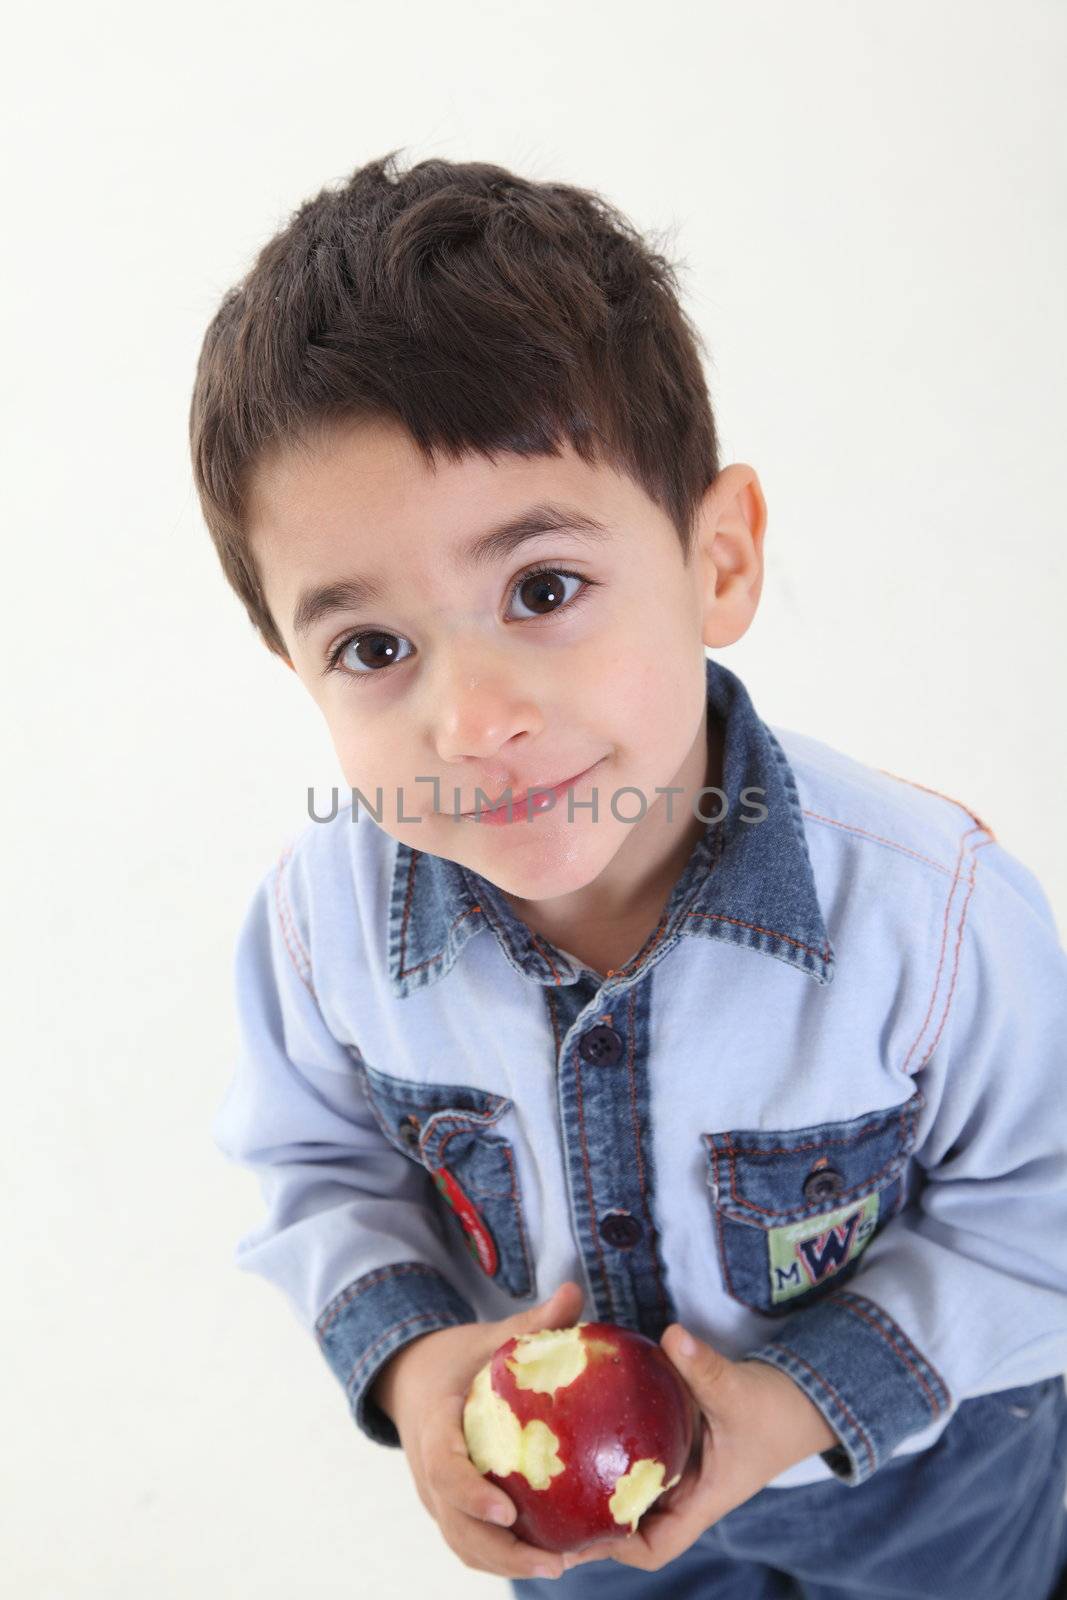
(869, 202)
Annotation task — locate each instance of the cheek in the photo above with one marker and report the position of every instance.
(362, 750)
(645, 683)
(376, 761)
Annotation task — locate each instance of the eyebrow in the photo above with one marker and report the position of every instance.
(484, 550)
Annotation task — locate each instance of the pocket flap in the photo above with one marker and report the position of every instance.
(767, 1178)
(416, 1116)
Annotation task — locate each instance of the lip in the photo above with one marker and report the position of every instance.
(500, 817)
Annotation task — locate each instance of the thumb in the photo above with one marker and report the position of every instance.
(706, 1370)
(561, 1310)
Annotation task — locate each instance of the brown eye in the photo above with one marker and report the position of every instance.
(365, 655)
(375, 649)
(545, 591)
(370, 653)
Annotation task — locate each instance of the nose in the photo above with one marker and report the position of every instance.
(480, 707)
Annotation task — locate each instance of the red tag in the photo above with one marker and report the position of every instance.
(479, 1239)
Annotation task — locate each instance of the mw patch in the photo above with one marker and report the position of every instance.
(803, 1254)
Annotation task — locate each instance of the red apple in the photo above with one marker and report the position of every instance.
(583, 1428)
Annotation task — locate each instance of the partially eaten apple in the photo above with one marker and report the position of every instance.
(583, 1428)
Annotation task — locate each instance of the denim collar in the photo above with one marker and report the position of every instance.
(746, 883)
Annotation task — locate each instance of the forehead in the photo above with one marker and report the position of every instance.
(360, 488)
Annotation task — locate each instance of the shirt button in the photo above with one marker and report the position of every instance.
(601, 1046)
(823, 1184)
(408, 1130)
(620, 1229)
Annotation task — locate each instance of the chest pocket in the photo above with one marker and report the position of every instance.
(794, 1211)
(447, 1128)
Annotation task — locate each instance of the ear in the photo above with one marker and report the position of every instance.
(729, 536)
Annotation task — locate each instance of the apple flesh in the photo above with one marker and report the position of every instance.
(583, 1428)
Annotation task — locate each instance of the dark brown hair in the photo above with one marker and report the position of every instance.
(483, 311)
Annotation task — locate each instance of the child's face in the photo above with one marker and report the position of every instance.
(495, 683)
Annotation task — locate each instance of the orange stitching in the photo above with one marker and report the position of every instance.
(723, 1257)
(472, 1126)
(407, 910)
(286, 856)
(840, 1199)
(635, 1120)
(853, 827)
(544, 950)
(417, 1316)
(820, 1144)
(367, 1281)
(284, 922)
(530, 1276)
(588, 1186)
(511, 1194)
(846, 1301)
(646, 949)
(944, 939)
(405, 972)
(941, 956)
(972, 814)
(654, 939)
(956, 957)
(720, 916)
(829, 1386)
(296, 935)
(551, 1001)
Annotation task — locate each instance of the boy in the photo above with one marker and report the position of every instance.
(601, 989)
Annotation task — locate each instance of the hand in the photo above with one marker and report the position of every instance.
(423, 1389)
(754, 1422)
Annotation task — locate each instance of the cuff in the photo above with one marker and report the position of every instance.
(866, 1377)
(371, 1319)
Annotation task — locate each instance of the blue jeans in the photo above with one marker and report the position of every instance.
(977, 1516)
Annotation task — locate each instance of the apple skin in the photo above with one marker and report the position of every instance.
(627, 1405)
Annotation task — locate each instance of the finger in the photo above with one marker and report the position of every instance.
(669, 1526)
(709, 1374)
(646, 1550)
(668, 1530)
(606, 1550)
(465, 1504)
(642, 1548)
(678, 1497)
(495, 1549)
(452, 1473)
(561, 1310)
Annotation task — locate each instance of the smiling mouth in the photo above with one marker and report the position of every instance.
(519, 802)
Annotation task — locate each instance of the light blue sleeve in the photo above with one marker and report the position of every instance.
(349, 1234)
(966, 1291)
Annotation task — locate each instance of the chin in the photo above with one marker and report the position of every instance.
(561, 865)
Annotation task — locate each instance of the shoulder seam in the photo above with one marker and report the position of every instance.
(877, 838)
(968, 855)
(287, 922)
(975, 818)
(895, 844)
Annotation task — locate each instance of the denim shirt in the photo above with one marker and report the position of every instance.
(820, 1118)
